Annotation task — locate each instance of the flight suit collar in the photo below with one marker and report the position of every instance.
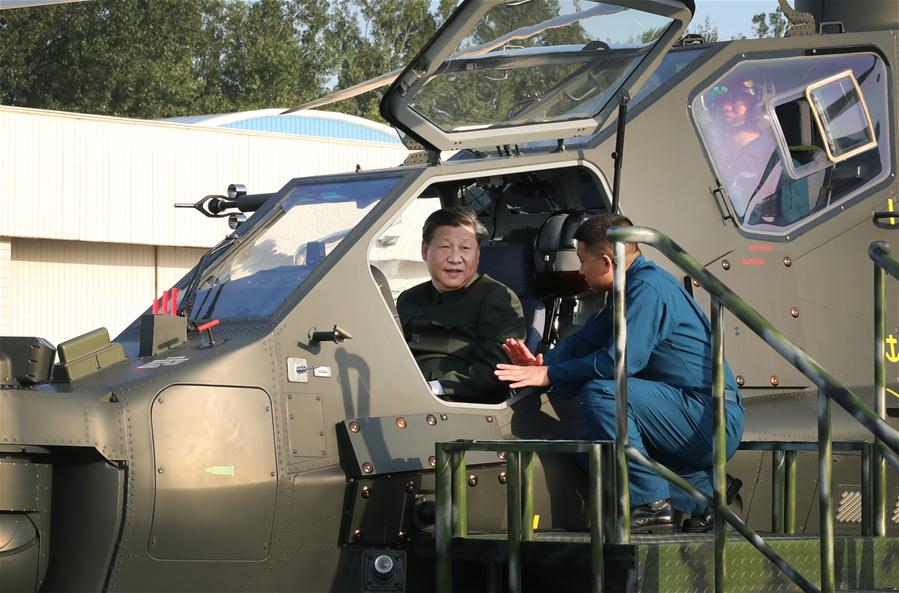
(452, 295)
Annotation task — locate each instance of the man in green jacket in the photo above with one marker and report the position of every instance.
(455, 324)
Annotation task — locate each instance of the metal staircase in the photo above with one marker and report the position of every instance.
(608, 558)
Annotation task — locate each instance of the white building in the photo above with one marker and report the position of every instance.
(88, 232)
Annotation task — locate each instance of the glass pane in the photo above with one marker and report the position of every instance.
(770, 159)
(255, 280)
(536, 62)
(843, 116)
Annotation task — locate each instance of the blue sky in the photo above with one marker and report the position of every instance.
(732, 17)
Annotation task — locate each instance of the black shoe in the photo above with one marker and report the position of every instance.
(654, 517)
(706, 522)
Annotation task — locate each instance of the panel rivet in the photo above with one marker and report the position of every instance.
(357, 535)
(794, 311)
(696, 283)
(473, 480)
(401, 423)
(354, 426)
(401, 537)
(774, 380)
(410, 487)
(431, 419)
(366, 492)
(787, 261)
(432, 461)
(159, 471)
(489, 419)
(725, 264)
(367, 468)
(443, 416)
(502, 477)
(740, 380)
(501, 454)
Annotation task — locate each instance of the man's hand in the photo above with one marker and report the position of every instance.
(519, 354)
(522, 376)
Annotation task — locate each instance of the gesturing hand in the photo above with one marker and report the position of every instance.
(522, 376)
(519, 354)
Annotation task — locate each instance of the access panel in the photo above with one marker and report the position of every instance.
(216, 473)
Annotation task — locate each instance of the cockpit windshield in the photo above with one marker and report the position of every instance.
(258, 277)
(538, 62)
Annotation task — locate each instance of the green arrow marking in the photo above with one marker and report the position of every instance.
(221, 470)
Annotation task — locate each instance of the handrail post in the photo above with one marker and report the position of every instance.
(825, 503)
(623, 534)
(527, 485)
(719, 446)
(609, 495)
(778, 489)
(596, 539)
(513, 493)
(790, 483)
(878, 464)
(460, 494)
(444, 520)
(867, 495)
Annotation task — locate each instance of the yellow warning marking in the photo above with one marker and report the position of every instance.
(890, 204)
(537, 517)
(891, 391)
(890, 353)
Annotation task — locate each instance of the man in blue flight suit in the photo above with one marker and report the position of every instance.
(669, 378)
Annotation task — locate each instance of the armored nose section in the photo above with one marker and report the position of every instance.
(24, 522)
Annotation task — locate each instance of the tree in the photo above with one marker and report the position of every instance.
(373, 37)
(115, 57)
(773, 24)
(706, 29)
(159, 58)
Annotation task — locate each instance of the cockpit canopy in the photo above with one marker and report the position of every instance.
(502, 73)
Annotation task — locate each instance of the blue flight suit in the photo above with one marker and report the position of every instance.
(669, 371)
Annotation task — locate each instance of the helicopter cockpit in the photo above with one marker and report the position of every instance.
(795, 139)
(530, 217)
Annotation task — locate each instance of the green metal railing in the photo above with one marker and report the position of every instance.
(879, 252)
(612, 522)
(828, 389)
(452, 501)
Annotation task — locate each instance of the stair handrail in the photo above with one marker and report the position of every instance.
(792, 353)
(879, 252)
(828, 389)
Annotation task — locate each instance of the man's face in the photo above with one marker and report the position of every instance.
(734, 111)
(452, 257)
(597, 271)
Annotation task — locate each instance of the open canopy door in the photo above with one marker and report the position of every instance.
(508, 72)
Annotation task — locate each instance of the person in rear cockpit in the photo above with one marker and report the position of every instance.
(456, 322)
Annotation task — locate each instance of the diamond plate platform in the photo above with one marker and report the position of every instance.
(684, 563)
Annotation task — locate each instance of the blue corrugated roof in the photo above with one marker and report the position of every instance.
(313, 126)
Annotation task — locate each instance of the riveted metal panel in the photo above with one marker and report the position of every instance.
(399, 443)
(216, 473)
(306, 425)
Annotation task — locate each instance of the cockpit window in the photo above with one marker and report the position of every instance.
(779, 169)
(842, 116)
(315, 217)
(536, 62)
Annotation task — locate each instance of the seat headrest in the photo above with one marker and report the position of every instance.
(509, 263)
(555, 255)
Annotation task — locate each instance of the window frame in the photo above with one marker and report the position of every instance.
(872, 143)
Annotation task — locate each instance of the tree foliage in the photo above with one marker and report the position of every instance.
(163, 58)
(772, 24)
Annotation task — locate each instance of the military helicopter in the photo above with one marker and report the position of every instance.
(265, 427)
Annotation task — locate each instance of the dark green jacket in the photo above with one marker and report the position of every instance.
(456, 336)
